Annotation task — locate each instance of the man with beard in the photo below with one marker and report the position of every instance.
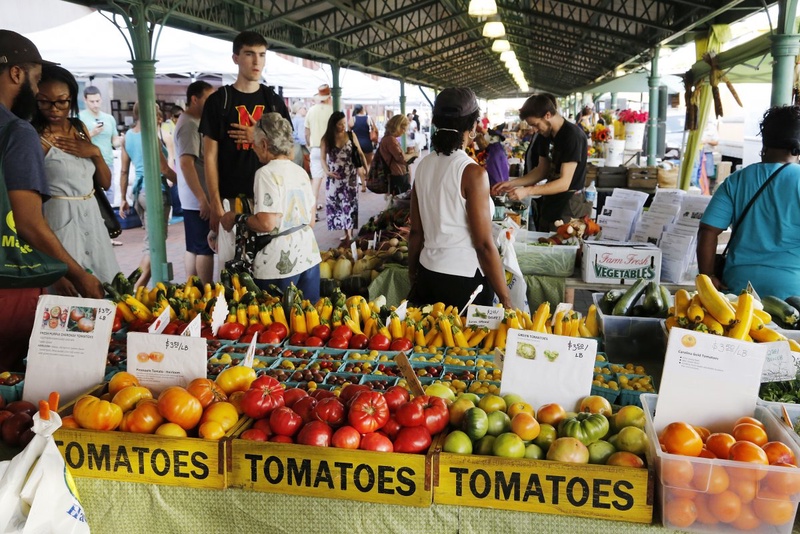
(23, 170)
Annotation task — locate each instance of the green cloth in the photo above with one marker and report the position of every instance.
(545, 288)
(392, 283)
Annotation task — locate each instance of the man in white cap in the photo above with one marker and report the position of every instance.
(316, 124)
(23, 172)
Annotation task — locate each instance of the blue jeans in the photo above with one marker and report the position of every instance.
(307, 282)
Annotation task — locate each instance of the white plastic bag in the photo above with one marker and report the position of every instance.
(517, 286)
(36, 489)
(226, 241)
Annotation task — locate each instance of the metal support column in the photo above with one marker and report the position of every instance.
(653, 82)
(403, 109)
(336, 89)
(613, 102)
(785, 47)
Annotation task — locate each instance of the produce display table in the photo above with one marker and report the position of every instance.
(116, 506)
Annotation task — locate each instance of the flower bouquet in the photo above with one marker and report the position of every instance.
(600, 134)
(627, 116)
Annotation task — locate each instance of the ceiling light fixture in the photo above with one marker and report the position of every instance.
(501, 45)
(494, 29)
(482, 8)
(505, 56)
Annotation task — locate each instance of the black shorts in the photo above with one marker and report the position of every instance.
(431, 287)
(196, 231)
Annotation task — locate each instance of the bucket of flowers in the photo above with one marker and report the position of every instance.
(634, 122)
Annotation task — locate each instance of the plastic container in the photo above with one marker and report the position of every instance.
(702, 468)
(611, 395)
(334, 379)
(379, 382)
(794, 414)
(556, 260)
(630, 396)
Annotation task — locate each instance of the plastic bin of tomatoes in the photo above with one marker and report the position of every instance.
(11, 385)
(792, 410)
(744, 479)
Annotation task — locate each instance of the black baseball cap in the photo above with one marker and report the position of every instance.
(455, 102)
(16, 50)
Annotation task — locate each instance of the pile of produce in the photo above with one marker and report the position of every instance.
(710, 493)
(642, 299)
(784, 313)
(339, 270)
(509, 427)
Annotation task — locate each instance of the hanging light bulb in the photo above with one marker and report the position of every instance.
(501, 45)
(494, 29)
(482, 8)
(509, 54)
(512, 64)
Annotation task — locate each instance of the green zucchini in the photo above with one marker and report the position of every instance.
(624, 305)
(783, 313)
(653, 300)
(134, 276)
(609, 299)
(247, 282)
(666, 297)
(112, 292)
(793, 301)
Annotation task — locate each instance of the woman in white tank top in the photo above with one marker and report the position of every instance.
(451, 248)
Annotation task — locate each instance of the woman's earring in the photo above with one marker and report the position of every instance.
(472, 134)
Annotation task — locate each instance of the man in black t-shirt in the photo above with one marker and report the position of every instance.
(564, 167)
(227, 125)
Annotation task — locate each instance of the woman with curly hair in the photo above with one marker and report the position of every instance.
(451, 248)
(765, 249)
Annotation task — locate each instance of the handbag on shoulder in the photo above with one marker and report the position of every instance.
(378, 175)
(357, 162)
(109, 217)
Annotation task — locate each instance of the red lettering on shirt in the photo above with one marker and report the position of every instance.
(244, 119)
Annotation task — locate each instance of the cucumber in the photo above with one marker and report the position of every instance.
(794, 302)
(624, 305)
(112, 292)
(609, 299)
(247, 281)
(653, 301)
(665, 297)
(784, 314)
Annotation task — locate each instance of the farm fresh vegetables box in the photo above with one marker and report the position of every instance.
(609, 262)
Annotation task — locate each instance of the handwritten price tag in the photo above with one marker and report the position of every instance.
(161, 322)
(160, 361)
(194, 328)
(780, 363)
(546, 368)
(487, 316)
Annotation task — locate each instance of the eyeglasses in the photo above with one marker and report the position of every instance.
(58, 104)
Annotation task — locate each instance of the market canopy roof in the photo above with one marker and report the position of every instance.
(561, 45)
(635, 82)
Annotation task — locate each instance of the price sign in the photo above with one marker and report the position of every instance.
(68, 346)
(402, 310)
(780, 363)
(161, 322)
(250, 356)
(546, 368)
(219, 313)
(160, 361)
(488, 316)
(709, 379)
(194, 328)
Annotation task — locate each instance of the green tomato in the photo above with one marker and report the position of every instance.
(587, 428)
(632, 439)
(484, 446)
(499, 423)
(458, 442)
(475, 423)
(599, 451)
(492, 403)
(512, 398)
(547, 435)
(534, 452)
(471, 396)
(508, 445)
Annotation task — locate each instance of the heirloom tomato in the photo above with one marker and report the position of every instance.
(343, 332)
(305, 408)
(369, 412)
(277, 438)
(315, 433)
(395, 396)
(128, 397)
(236, 378)
(206, 391)
(331, 411)
(265, 394)
(180, 407)
(358, 342)
(392, 427)
(120, 381)
(223, 413)
(586, 428)
(346, 437)
(279, 329)
(401, 344)
(284, 421)
(379, 342)
(322, 331)
(95, 414)
(336, 342)
(313, 341)
(269, 336)
(144, 419)
(230, 331)
(298, 339)
(375, 441)
(348, 392)
(437, 416)
(412, 440)
(410, 414)
(254, 434)
(292, 395)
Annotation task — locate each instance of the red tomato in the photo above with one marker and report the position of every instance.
(346, 437)
(342, 331)
(349, 392)
(437, 416)
(412, 440)
(206, 333)
(375, 441)
(410, 414)
(277, 438)
(269, 336)
(401, 344)
(263, 425)
(395, 396)
(254, 329)
(369, 412)
(265, 394)
(392, 427)
(320, 394)
(230, 331)
(298, 339)
(379, 342)
(254, 434)
(322, 331)
(305, 408)
(284, 421)
(358, 342)
(315, 433)
(292, 395)
(171, 329)
(336, 342)
(247, 338)
(313, 341)
(279, 329)
(331, 411)
(117, 322)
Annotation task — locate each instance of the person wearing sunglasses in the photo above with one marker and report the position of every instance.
(72, 165)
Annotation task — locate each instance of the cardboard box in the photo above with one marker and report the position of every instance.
(356, 475)
(611, 262)
(143, 458)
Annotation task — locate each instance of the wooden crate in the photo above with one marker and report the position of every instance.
(611, 177)
(645, 178)
(545, 487)
(355, 475)
(144, 458)
(668, 179)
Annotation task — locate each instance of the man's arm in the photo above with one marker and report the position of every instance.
(211, 150)
(308, 136)
(538, 174)
(125, 164)
(553, 187)
(36, 232)
(189, 173)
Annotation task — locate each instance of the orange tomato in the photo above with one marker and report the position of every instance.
(121, 380)
(680, 512)
(211, 430)
(704, 514)
(703, 431)
(725, 506)
(128, 397)
(91, 412)
(180, 407)
(786, 480)
(525, 426)
(681, 438)
(677, 473)
(711, 479)
(720, 444)
(751, 420)
(705, 453)
(747, 520)
(237, 378)
(235, 398)
(680, 493)
(745, 451)
(144, 419)
(223, 413)
(750, 432)
(551, 414)
(779, 452)
(773, 508)
(170, 429)
(743, 487)
(69, 421)
(143, 356)
(206, 391)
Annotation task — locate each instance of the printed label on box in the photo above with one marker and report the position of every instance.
(488, 316)
(160, 361)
